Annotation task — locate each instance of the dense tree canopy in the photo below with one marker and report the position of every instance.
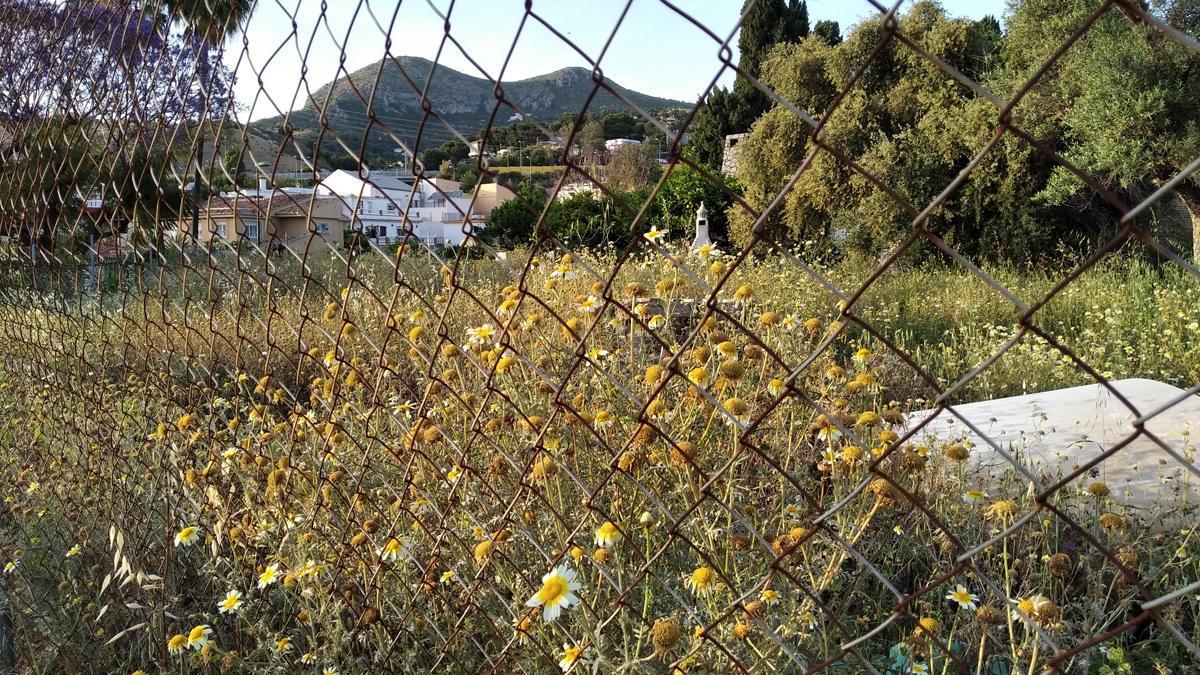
(829, 32)
(706, 136)
(511, 224)
(580, 220)
(453, 151)
(1119, 104)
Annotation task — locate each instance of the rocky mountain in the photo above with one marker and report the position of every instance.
(464, 101)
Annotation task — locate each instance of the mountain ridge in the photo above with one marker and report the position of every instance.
(465, 102)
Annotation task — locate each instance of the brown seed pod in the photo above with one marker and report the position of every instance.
(665, 635)
(754, 609)
(989, 615)
(1060, 566)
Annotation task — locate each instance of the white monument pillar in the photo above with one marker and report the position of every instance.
(701, 229)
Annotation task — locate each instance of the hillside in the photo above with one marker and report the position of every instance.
(465, 102)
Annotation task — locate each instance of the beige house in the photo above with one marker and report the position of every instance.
(296, 218)
(488, 196)
(283, 219)
(226, 219)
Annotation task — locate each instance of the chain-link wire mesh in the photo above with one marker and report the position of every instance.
(239, 432)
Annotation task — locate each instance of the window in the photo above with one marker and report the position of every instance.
(322, 228)
(251, 229)
(220, 228)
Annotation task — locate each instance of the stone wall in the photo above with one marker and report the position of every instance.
(729, 158)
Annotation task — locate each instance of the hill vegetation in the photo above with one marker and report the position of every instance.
(464, 102)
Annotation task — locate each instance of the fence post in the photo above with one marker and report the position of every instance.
(8, 654)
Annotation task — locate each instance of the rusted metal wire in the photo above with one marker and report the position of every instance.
(137, 365)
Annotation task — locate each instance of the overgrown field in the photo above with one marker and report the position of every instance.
(528, 469)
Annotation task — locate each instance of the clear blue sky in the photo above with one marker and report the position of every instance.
(654, 51)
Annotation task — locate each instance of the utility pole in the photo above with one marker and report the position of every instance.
(196, 187)
(94, 277)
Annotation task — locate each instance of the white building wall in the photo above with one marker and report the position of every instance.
(617, 143)
(433, 216)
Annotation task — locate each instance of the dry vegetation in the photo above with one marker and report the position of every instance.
(484, 469)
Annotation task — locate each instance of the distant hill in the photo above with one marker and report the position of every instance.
(464, 101)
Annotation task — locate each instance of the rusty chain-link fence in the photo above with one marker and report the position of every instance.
(246, 429)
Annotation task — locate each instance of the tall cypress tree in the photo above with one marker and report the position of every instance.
(765, 23)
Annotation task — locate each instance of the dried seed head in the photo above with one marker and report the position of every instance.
(884, 491)
(989, 615)
(645, 435)
(957, 452)
(1060, 565)
(755, 609)
(683, 454)
(665, 635)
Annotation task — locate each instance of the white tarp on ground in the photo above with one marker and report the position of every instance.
(1054, 432)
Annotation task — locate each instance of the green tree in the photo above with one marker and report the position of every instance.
(829, 32)
(591, 138)
(631, 167)
(715, 119)
(511, 224)
(524, 132)
(1120, 104)
(581, 220)
(621, 124)
(766, 23)
(453, 151)
(904, 121)
(683, 192)
(585, 221)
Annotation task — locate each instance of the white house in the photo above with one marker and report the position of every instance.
(474, 148)
(347, 184)
(614, 144)
(387, 209)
